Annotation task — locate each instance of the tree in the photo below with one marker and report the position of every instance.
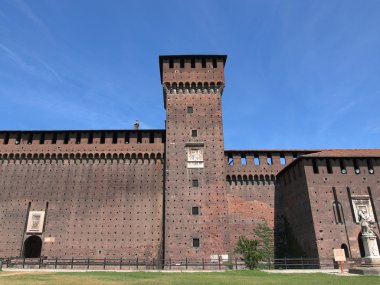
(266, 240)
(248, 248)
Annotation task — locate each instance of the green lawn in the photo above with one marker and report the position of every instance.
(231, 277)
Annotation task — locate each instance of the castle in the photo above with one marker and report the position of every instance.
(177, 192)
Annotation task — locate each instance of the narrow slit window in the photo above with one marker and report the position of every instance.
(282, 159)
(256, 159)
(328, 166)
(90, 138)
(171, 63)
(182, 63)
(195, 211)
(78, 138)
(192, 63)
(194, 133)
(315, 166)
(114, 138)
(196, 242)
(139, 137)
(163, 138)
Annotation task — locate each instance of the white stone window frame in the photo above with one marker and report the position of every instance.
(31, 226)
(190, 161)
(360, 203)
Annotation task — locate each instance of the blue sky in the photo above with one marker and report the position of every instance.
(299, 74)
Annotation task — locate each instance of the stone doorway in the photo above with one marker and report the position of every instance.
(32, 247)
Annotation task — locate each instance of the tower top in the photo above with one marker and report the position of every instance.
(192, 68)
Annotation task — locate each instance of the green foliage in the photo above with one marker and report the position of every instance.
(248, 248)
(266, 240)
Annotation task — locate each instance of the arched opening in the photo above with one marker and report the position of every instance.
(32, 247)
(361, 245)
(346, 252)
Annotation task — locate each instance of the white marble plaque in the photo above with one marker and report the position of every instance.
(35, 221)
(362, 203)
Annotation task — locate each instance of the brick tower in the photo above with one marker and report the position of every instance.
(195, 191)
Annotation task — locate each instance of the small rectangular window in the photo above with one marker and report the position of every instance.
(195, 183)
(194, 133)
(214, 63)
(151, 137)
(195, 242)
(139, 137)
(269, 159)
(182, 63)
(195, 211)
(230, 159)
(192, 63)
(342, 164)
(163, 138)
(90, 138)
(114, 137)
(256, 159)
(171, 63)
(282, 159)
(328, 166)
(54, 139)
(6, 138)
(18, 138)
(30, 139)
(370, 167)
(356, 166)
(243, 160)
(315, 166)
(203, 63)
(102, 137)
(190, 109)
(42, 138)
(78, 138)
(126, 138)
(66, 139)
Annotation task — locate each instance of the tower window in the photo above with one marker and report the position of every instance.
(315, 166)
(151, 137)
(193, 63)
(195, 183)
(30, 139)
(356, 166)
(203, 63)
(139, 137)
(114, 137)
(269, 159)
(6, 138)
(328, 166)
(126, 138)
(171, 63)
(182, 63)
(90, 138)
(18, 138)
(195, 242)
(370, 167)
(282, 159)
(54, 139)
(256, 159)
(243, 159)
(78, 138)
(195, 211)
(230, 160)
(194, 133)
(190, 109)
(214, 63)
(343, 169)
(102, 138)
